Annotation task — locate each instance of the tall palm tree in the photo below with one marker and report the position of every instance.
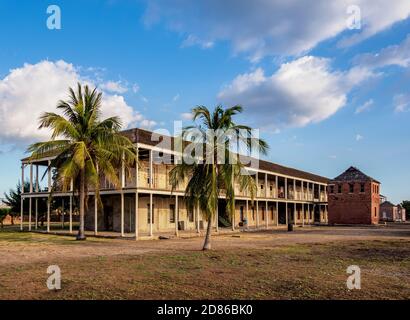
(85, 147)
(207, 179)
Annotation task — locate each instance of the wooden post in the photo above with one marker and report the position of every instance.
(150, 214)
(29, 214)
(36, 214)
(294, 213)
(266, 185)
(286, 213)
(276, 186)
(48, 213)
(303, 214)
(136, 215)
(176, 217)
(286, 188)
(122, 213)
(95, 214)
(266, 214)
(277, 213)
(197, 219)
(257, 214)
(294, 189)
(217, 217)
(247, 214)
(71, 213)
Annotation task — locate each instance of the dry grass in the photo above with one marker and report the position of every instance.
(253, 266)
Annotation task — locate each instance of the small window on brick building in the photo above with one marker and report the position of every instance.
(351, 187)
(339, 188)
(331, 189)
(362, 187)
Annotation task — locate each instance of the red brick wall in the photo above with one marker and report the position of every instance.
(354, 208)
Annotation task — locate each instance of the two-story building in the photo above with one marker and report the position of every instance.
(145, 205)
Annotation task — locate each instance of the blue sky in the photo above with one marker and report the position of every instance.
(324, 96)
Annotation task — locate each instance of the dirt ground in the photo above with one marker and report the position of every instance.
(309, 263)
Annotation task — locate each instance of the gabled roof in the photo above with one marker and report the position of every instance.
(387, 203)
(353, 174)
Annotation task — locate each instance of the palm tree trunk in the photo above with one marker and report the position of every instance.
(81, 233)
(207, 242)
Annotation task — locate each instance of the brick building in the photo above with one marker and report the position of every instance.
(392, 213)
(353, 198)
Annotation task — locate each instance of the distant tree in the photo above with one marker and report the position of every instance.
(3, 214)
(13, 200)
(406, 205)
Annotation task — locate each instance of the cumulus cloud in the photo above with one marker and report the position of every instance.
(114, 86)
(186, 116)
(398, 55)
(28, 91)
(365, 106)
(300, 92)
(272, 27)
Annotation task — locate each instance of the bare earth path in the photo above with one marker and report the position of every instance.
(309, 263)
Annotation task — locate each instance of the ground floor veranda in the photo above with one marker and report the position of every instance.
(146, 214)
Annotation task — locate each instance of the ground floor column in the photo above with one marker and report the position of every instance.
(303, 214)
(294, 214)
(48, 213)
(136, 216)
(217, 217)
(36, 214)
(29, 214)
(267, 214)
(197, 219)
(150, 214)
(176, 215)
(71, 214)
(21, 213)
(257, 214)
(277, 213)
(286, 213)
(122, 214)
(95, 215)
(247, 214)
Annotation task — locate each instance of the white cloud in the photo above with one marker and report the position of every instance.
(398, 55)
(365, 106)
(401, 102)
(135, 88)
(114, 86)
(176, 97)
(186, 116)
(300, 92)
(271, 27)
(26, 92)
(359, 137)
(192, 40)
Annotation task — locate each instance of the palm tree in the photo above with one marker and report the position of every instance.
(207, 179)
(85, 147)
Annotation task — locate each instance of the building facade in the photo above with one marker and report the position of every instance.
(392, 213)
(353, 198)
(145, 205)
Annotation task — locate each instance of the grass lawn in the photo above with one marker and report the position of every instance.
(239, 268)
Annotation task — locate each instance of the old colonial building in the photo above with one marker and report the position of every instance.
(392, 213)
(353, 198)
(145, 205)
